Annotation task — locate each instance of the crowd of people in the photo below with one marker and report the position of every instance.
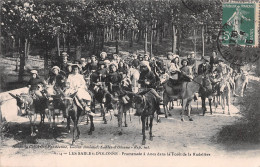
(113, 71)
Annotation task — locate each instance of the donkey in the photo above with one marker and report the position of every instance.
(188, 89)
(25, 102)
(74, 112)
(225, 92)
(146, 104)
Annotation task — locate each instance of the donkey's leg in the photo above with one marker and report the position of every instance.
(223, 103)
(125, 118)
(68, 123)
(210, 105)
(120, 119)
(151, 126)
(146, 127)
(184, 102)
(143, 118)
(189, 108)
(228, 102)
(92, 127)
(165, 104)
(103, 113)
(203, 105)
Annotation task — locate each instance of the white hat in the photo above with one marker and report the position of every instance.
(55, 67)
(145, 63)
(103, 53)
(34, 72)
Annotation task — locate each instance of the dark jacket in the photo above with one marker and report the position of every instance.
(147, 76)
(203, 69)
(34, 83)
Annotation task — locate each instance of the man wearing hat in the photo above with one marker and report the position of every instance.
(34, 81)
(192, 62)
(213, 60)
(64, 62)
(148, 80)
(146, 57)
(204, 67)
(102, 72)
(93, 66)
(135, 61)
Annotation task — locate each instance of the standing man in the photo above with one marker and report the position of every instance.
(213, 60)
(204, 67)
(192, 62)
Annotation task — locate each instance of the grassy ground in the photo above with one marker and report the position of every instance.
(247, 129)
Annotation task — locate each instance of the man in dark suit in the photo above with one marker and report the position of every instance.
(204, 67)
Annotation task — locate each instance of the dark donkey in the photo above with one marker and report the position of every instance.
(206, 92)
(25, 102)
(74, 111)
(146, 103)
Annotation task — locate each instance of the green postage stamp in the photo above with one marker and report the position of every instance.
(240, 24)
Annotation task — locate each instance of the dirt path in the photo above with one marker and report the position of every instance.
(170, 136)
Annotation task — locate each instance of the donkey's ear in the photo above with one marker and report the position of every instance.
(14, 96)
(73, 95)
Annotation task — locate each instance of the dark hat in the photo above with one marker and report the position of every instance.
(75, 66)
(220, 60)
(204, 59)
(112, 64)
(101, 63)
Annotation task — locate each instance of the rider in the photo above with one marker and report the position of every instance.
(147, 80)
(174, 70)
(215, 79)
(135, 61)
(103, 58)
(186, 70)
(77, 84)
(204, 67)
(116, 59)
(102, 71)
(93, 66)
(64, 64)
(34, 81)
(192, 62)
(56, 78)
(213, 60)
(113, 79)
(122, 67)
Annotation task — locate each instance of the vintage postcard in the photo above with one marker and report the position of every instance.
(129, 83)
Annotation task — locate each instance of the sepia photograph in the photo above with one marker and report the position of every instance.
(129, 83)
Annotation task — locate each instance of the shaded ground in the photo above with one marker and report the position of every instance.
(171, 135)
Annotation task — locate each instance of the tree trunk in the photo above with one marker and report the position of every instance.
(151, 41)
(95, 41)
(145, 40)
(58, 44)
(46, 57)
(117, 36)
(22, 60)
(132, 38)
(195, 41)
(174, 39)
(203, 42)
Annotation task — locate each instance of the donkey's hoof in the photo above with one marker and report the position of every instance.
(147, 128)
(159, 121)
(190, 119)
(105, 122)
(73, 142)
(170, 114)
(182, 120)
(143, 142)
(151, 138)
(166, 116)
(120, 133)
(126, 125)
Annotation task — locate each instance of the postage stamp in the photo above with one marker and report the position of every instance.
(240, 23)
(238, 40)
